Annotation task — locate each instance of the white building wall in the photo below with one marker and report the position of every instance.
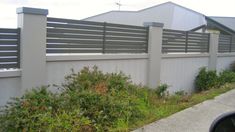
(184, 19)
(173, 17)
(180, 72)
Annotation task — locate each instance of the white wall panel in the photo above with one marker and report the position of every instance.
(180, 73)
(9, 87)
(136, 68)
(224, 62)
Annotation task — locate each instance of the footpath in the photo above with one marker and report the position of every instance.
(194, 119)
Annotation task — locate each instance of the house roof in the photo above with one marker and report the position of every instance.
(226, 24)
(149, 8)
(226, 21)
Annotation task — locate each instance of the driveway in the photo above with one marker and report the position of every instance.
(194, 119)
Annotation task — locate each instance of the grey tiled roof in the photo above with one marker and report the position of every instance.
(226, 21)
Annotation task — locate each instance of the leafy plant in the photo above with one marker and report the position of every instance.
(107, 99)
(40, 110)
(161, 90)
(181, 93)
(232, 66)
(226, 76)
(206, 80)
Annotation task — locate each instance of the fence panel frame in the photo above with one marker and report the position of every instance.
(113, 36)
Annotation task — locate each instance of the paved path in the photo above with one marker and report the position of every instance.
(195, 119)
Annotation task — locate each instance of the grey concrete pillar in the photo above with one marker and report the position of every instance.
(213, 50)
(155, 53)
(32, 23)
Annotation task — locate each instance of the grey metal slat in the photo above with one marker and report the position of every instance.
(126, 46)
(126, 38)
(175, 41)
(8, 59)
(8, 42)
(49, 35)
(8, 65)
(125, 26)
(73, 46)
(73, 51)
(172, 51)
(8, 53)
(4, 48)
(124, 51)
(7, 36)
(173, 34)
(125, 34)
(69, 26)
(60, 20)
(172, 30)
(198, 38)
(111, 29)
(74, 41)
(62, 31)
(171, 44)
(183, 48)
(122, 42)
(8, 30)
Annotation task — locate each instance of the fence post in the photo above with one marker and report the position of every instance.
(155, 53)
(213, 50)
(32, 23)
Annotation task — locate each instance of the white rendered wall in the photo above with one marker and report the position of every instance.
(9, 87)
(135, 68)
(224, 62)
(180, 73)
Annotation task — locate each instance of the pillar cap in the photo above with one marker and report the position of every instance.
(153, 24)
(33, 11)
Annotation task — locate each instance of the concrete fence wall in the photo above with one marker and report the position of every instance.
(38, 68)
(133, 65)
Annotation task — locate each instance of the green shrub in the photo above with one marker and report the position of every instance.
(181, 93)
(88, 101)
(161, 90)
(226, 76)
(41, 110)
(232, 66)
(206, 80)
(109, 100)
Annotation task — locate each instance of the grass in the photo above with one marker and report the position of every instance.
(167, 106)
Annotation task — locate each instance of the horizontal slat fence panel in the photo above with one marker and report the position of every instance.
(74, 36)
(184, 41)
(9, 48)
(226, 43)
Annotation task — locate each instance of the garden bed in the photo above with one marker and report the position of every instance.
(94, 101)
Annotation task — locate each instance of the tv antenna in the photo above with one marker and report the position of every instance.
(118, 4)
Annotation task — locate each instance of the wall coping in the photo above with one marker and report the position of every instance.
(184, 55)
(226, 54)
(74, 57)
(10, 73)
(29, 10)
(153, 24)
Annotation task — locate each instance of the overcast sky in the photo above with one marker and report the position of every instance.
(79, 9)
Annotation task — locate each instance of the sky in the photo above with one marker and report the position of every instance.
(79, 9)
